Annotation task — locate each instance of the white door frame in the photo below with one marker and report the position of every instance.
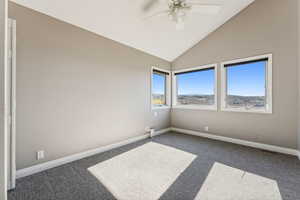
(11, 114)
(3, 133)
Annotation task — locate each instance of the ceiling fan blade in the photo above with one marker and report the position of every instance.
(158, 14)
(204, 9)
(149, 4)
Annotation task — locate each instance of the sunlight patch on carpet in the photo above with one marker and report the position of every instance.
(143, 173)
(227, 183)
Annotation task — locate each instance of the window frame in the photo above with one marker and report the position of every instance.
(195, 107)
(167, 89)
(268, 85)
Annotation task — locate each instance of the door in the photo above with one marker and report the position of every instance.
(10, 108)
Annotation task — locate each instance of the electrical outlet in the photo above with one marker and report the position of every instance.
(40, 155)
(206, 128)
(155, 114)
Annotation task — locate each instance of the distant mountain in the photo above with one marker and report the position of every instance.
(232, 100)
(196, 99)
(257, 102)
(246, 101)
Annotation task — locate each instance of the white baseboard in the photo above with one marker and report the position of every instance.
(61, 161)
(240, 142)
(162, 131)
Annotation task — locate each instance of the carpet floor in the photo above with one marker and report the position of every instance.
(210, 170)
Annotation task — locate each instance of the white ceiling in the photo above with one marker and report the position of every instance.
(123, 21)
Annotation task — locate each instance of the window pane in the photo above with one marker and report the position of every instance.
(246, 86)
(159, 89)
(196, 88)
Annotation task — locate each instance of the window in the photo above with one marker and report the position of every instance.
(160, 88)
(247, 85)
(195, 88)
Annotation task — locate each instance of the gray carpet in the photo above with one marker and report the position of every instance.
(74, 182)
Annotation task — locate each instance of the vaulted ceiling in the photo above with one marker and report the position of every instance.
(124, 21)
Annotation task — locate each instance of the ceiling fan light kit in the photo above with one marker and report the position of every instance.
(178, 17)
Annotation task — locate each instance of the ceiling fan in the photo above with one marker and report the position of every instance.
(179, 9)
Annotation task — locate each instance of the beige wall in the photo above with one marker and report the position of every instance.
(3, 179)
(266, 26)
(298, 33)
(76, 90)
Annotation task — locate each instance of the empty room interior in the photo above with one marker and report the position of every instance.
(150, 99)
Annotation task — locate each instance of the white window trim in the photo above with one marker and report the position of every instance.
(195, 107)
(269, 108)
(168, 89)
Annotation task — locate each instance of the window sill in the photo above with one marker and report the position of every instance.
(207, 108)
(246, 111)
(161, 108)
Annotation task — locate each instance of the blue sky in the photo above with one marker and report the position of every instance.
(201, 82)
(158, 84)
(248, 80)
